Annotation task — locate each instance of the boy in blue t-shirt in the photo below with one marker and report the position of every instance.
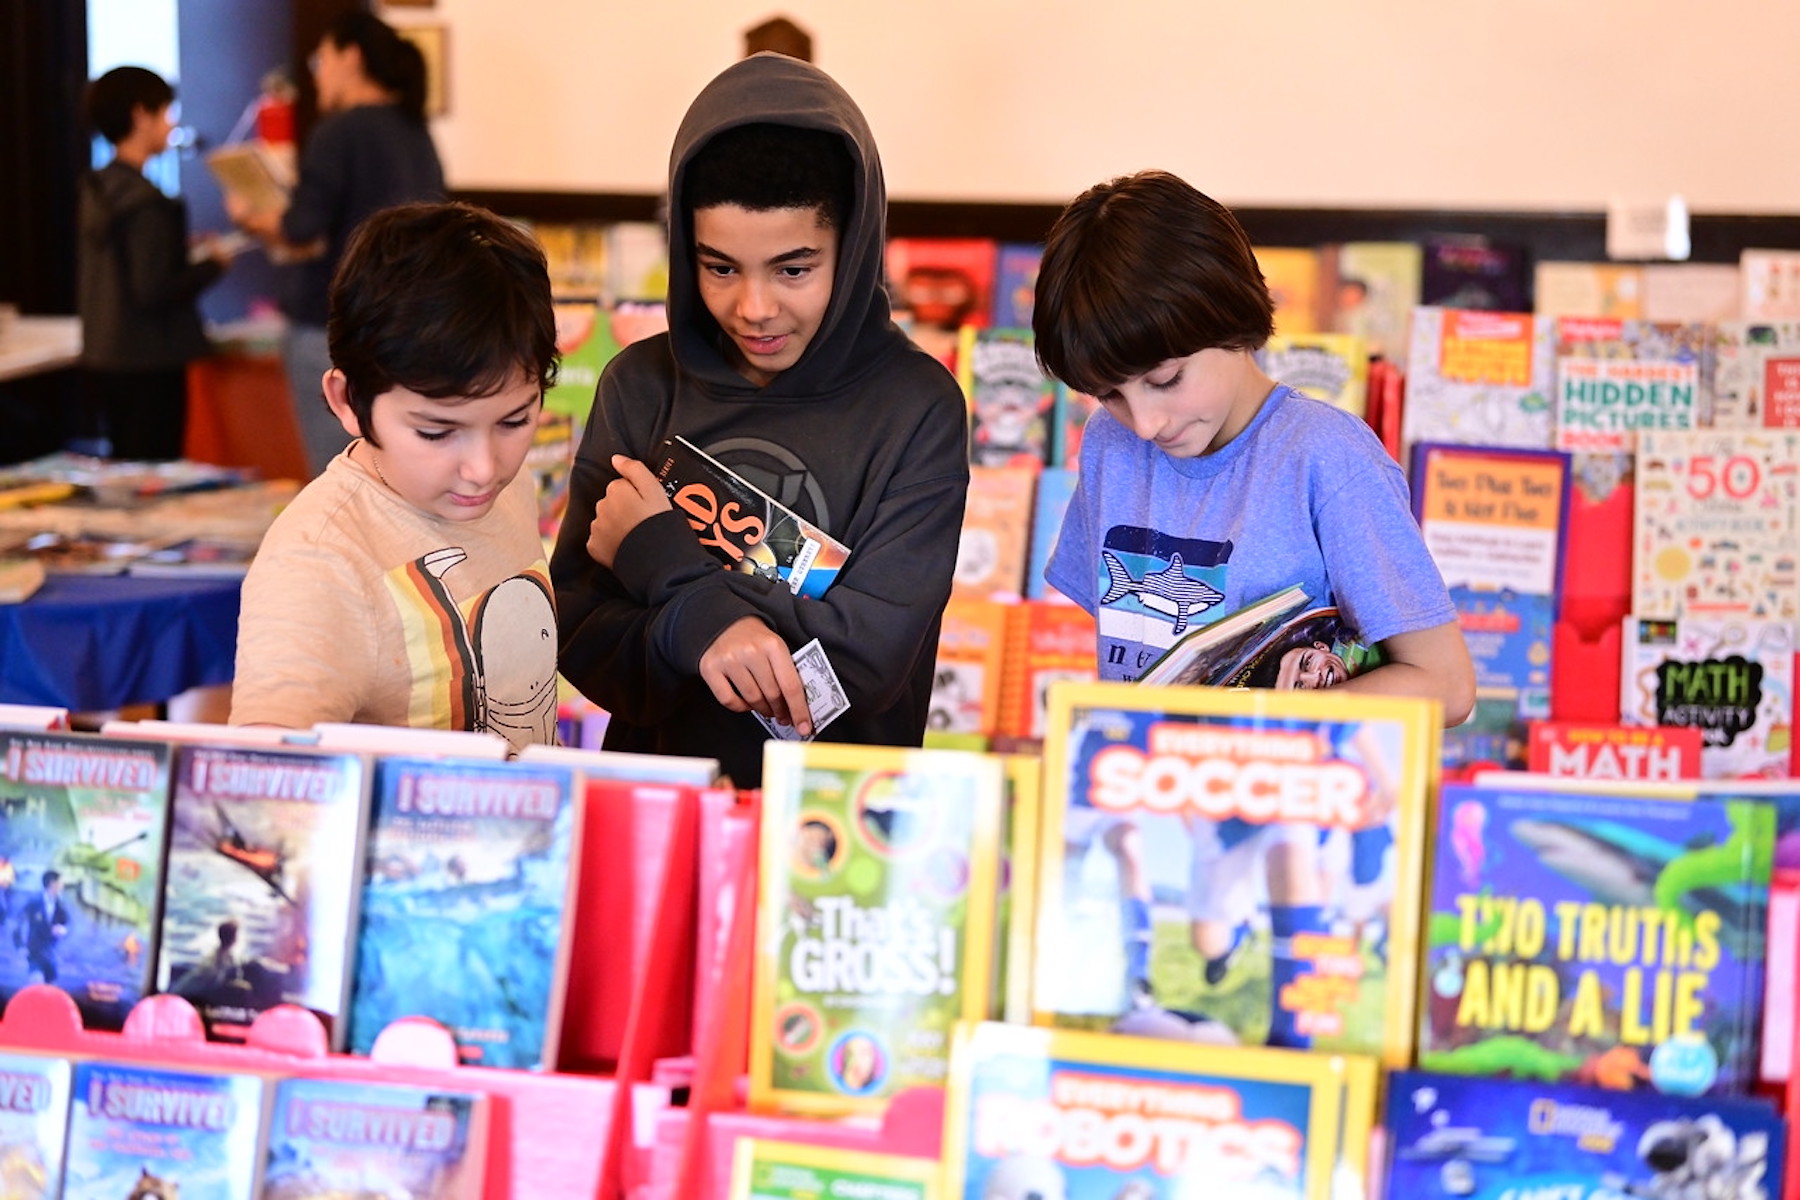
(1205, 485)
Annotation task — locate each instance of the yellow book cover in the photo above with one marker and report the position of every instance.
(971, 650)
(1018, 887)
(1089, 1116)
(878, 871)
(991, 550)
(1235, 866)
(1293, 274)
(765, 1169)
(1333, 367)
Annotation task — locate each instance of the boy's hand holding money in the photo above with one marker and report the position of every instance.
(750, 669)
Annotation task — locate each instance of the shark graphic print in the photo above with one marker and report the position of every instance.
(1154, 589)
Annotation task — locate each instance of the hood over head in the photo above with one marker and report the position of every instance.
(769, 88)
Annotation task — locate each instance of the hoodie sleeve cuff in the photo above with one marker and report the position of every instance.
(685, 628)
(660, 556)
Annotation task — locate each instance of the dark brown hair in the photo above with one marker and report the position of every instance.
(1139, 270)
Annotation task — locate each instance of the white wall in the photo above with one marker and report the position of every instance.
(1473, 104)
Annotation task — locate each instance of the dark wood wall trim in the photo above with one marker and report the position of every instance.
(1573, 236)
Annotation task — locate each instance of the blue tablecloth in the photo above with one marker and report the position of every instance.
(91, 643)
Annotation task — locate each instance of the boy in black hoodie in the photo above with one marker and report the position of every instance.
(140, 325)
(782, 362)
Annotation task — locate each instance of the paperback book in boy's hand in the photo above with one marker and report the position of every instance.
(1273, 643)
(744, 527)
(265, 857)
(465, 909)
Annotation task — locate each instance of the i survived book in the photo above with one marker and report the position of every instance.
(465, 906)
(1234, 866)
(1596, 936)
(344, 1137)
(1484, 1139)
(141, 1131)
(1086, 1116)
(878, 876)
(265, 871)
(81, 867)
(34, 1121)
(743, 526)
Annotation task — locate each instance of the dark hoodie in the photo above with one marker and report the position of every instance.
(137, 290)
(865, 435)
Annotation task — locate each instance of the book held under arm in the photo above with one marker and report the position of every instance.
(744, 527)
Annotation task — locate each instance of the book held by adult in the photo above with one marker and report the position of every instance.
(744, 527)
(465, 906)
(1234, 866)
(878, 879)
(81, 867)
(265, 870)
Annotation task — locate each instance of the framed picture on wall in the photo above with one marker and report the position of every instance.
(431, 41)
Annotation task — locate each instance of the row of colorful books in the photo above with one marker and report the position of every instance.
(94, 1127)
(361, 873)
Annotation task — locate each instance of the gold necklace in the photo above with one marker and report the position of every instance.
(375, 461)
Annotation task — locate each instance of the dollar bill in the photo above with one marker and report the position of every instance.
(825, 697)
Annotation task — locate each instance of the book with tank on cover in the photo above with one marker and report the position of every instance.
(744, 527)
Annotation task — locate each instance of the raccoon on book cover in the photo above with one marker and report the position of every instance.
(466, 906)
(1732, 678)
(142, 1131)
(744, 527)
(265, 870)
(877, 880)
(1596, 936)
(765, 1169)
(354, 1137)
(1484, 1139)
(1234, 866)
(81, 867)
(1085, 1116)
(34, 1121)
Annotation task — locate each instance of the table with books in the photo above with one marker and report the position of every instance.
(138, 599)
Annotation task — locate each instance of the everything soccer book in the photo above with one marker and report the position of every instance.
(744, 527)
(1234, 866)
(465, 906)
(344, 1137)
(81, 867)
(140, 1131)
(878, 875)
(1083, 1116)
(1484, 1139)
(265, 869)
(1598, 937)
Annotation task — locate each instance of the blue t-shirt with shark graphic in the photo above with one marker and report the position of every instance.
(1156, 547)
